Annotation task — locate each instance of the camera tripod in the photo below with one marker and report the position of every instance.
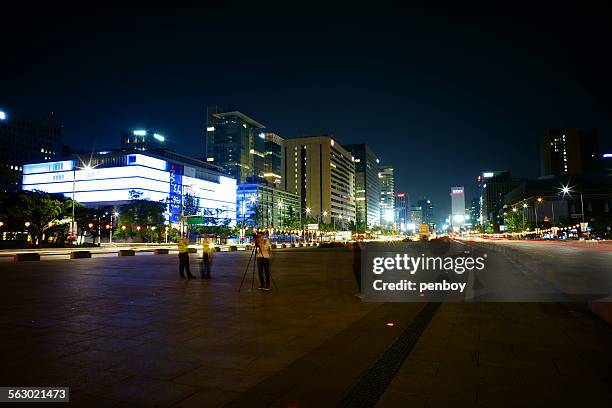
(253, 259)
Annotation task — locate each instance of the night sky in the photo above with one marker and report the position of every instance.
(440, 94)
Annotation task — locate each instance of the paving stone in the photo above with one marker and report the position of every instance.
(128, 333)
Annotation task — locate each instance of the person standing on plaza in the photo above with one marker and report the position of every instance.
(263, 253)
(207, 258)
(183, 248)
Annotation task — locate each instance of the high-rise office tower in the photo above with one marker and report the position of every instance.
(143, 139)
(367, 185)
(25, 140)
(387, 200)
(428, 212)
(494, 185)
(568, 151)
(402, 210)
(457, 206)
(236, 143)
(416, 215)
(274, 159)
(475, 210)
(322, 174)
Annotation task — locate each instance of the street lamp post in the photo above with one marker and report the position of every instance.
(110, 233)
(535, 210)
(307, 215)
(74, 169)
(324, 216)
(552, 209)
(567, 190)
(72, 232)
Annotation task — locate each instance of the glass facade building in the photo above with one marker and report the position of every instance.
(143, 139)
(260, 205)
(493, 186)
(25, 140)
(416, 214)
(387, 196)
(367, 185)
(236, 143)
(427, 208)
(403, 214)
(274, 163)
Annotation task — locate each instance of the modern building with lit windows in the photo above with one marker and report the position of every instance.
(261, 205)
(416, 215)
(568, 151)
(402, 210)
(274, 160)
(475, 210)
(457, 206)
(493, 187)
(428, 212)
(143, 139)
(322, 173)
(235, 142)
(108, 178)
(367, 184)
(387, 198)
(25, 140)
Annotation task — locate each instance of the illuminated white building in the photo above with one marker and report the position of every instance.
(108, 178)
(387, 196)
(457, 206)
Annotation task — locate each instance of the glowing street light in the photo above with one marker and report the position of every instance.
(138, 227)
(566, 190)
(458, 218)
(90, 225)
(86, 167)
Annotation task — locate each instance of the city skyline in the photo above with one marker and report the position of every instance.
(244, 204)
(159, 79)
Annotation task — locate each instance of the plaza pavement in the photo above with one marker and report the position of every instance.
(126, 332)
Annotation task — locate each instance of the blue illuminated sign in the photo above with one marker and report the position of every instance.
(175, 195)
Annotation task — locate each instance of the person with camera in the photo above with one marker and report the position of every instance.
(263, 253)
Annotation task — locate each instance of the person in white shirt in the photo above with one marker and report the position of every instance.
(263, 253)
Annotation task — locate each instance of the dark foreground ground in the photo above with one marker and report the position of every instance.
(126, 332)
